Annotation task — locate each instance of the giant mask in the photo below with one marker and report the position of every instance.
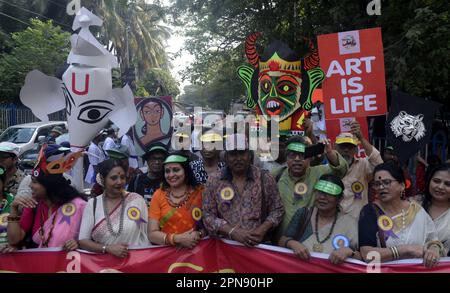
(280, 83)
(85, 90)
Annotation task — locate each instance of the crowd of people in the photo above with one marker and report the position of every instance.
(329, 202)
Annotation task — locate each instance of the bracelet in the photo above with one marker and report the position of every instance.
(13, 218)
(438, 244)
(165, 238)
(104, 249)
(231, 231)
(287, 240)
(171, 239)
(394, 251)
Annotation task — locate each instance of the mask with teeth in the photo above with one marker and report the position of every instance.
(280, 83)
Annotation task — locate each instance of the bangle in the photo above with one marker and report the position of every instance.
(286, 241)
(438, 244)
(165, 238)
(104, 249)
(171, 239)
(13, 218)
(394, 251)
(231, 231)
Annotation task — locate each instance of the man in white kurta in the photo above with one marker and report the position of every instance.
(95, 156)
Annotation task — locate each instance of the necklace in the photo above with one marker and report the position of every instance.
(186, 196)
(108, 220)
(318, 247)
(44, 241)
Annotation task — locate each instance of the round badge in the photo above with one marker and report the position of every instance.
(68, 209)
(227, 193)
(196, 214)
(357, 187)
(36, 173)
(134, 213)
(385, 223)
(340, 241)
(300, 188)
(4, 219)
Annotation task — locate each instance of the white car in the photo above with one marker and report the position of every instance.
(25, 136)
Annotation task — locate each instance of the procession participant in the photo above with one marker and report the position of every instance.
(116, 218)
(437, 202)
(360, 170)
(241, 202)
(147, 184)
(394, 227)
(52, 216)
(175, 213)
(296, 182)
(323, 228)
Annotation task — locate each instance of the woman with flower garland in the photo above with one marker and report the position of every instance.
(116, 219)
(175, 211)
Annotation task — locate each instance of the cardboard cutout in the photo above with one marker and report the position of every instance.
(280, 82)
(85, 90)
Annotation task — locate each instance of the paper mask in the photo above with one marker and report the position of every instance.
(280, 82)
(85, 90)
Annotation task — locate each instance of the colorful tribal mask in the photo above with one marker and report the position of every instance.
(280, 82)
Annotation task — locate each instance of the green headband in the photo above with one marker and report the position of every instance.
(296, 147)
(328, 187)
(175, 159)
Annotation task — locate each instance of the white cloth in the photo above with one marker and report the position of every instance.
(133, 232)
(109, 144)
(421, 231)
(442, 224)
(95, 156)
(132, 160)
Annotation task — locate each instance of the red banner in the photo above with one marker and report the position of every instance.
(208, 256)
(354, 66)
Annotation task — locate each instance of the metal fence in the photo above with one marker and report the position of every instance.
(11, 114)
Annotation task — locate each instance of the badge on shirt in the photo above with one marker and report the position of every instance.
(134, 214)
(227, 193)
(196, 214)
(386, 224)
(300, 189)
(340, 241)
(67, 210)
(357, 188)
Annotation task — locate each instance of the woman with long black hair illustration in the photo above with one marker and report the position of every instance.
(155, 113)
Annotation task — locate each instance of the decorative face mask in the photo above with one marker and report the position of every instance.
(280, 82)
(85, 90)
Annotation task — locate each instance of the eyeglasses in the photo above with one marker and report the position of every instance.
(293, 155)
(386, 183)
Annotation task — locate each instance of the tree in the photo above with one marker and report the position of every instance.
(42, 46)
(415, 35)
(159, 82)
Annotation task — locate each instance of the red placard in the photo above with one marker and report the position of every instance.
(353, 63)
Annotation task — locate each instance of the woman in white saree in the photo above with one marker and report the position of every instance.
(393, 227)
(115, 219)
(437, 202)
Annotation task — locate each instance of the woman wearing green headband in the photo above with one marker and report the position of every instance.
(175, 211)
(323, 228)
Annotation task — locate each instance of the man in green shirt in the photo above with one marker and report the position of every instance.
(296, 181)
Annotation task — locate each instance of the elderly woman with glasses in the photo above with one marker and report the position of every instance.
(393, 227)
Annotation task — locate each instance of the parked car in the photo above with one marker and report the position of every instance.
(25, 136)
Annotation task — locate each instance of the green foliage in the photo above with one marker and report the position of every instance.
(416, 36)
(42, 46)
(158, 82)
